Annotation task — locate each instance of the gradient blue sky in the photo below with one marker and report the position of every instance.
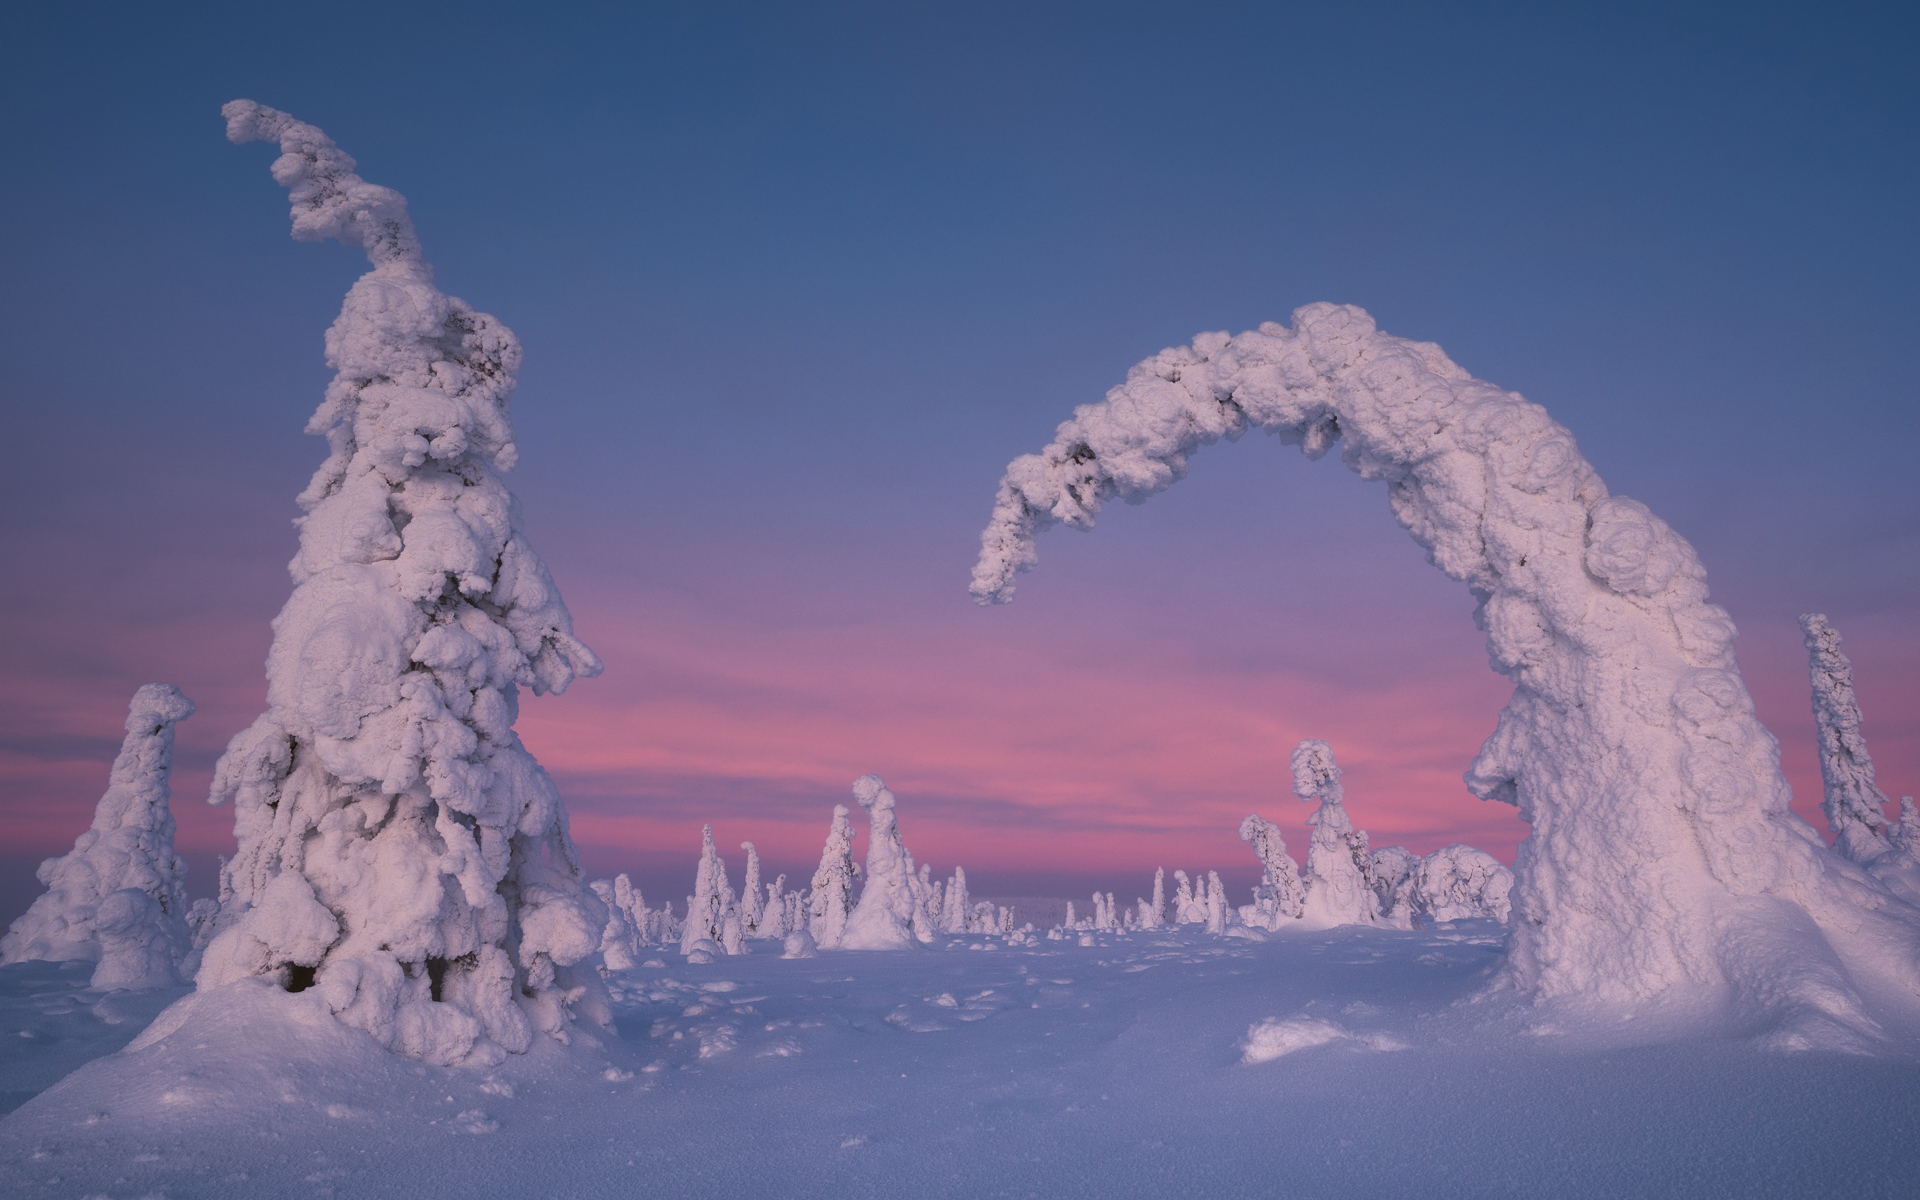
(796, 281)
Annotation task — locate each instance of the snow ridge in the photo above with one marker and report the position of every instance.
(399, 849)
(1659, 815)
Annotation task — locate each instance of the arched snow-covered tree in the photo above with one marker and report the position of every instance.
(399, 849)
(1663, 862)
(830, 900)
(1338, 885)
(1854, 806)
(118, 898)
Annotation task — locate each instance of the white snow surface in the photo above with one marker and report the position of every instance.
(400, 852)
(118, 898)
(1113, 1069)
(1663, 865)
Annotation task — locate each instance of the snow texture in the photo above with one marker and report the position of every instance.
(1661, 840)
(399, 850)
(1854, 806)
(119, 898)
(1339, 877)
(830, 900)
(892, 912)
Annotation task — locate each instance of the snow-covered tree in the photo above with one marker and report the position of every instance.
(1625, 683)
(1339, 877)
(1280, 895)
(399, 849)
(752, 903)
(891, 914)
(956, 905)
(1905, 834)
(1457, 883)
(1394, 878)
(139, 938)
(1219, 912)
(773, 913)
(1153, 912)
(830, 900)
(712, 903)
(1854, 806)
(619, 940)
(1189, 908)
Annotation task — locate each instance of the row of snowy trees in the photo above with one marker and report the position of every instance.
(890, 905)
(1344, 883)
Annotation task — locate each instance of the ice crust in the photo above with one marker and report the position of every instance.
(118, 898)
(399, 849)
(1660, 826)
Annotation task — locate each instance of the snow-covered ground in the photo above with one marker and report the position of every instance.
(1115, 1068)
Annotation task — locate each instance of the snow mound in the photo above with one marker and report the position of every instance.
(1277, 1037)
(1658, 810)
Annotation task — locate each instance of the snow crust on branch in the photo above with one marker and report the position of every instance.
(399, 849)
(1855, 807)
(1661, 837)
(118, 898)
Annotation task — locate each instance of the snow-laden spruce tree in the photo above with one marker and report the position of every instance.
(1280, 895)
(118, 898)
(956, 906)
(1395, 880)
(399, 849)
(712, 903)
(1457, 883)
(1338, 885)
(1663, 861)
(891, 914)
(1854, 805)
(830, 899)
(752, 902)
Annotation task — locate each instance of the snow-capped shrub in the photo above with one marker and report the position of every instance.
(399, 849)
(1625, 683)
(1394, 877)
(891, 914)
(831, 897)
(1339, 879)
(87, 911)
(1280, 896)
(1457, 883)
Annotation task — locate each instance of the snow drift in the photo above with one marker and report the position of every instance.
(119, 897)
(1663, 862)
(399, 850)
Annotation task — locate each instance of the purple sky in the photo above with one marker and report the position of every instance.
(795, 285)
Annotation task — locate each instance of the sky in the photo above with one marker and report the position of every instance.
(796, 281)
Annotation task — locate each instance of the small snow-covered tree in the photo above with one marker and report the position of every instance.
(619, 941)
(1280, 895)
(957, 906)
(830, 900)
(1188, 908)
(399, 849)
(712, 903)
(1395, 869)
(773, 913)
(1219, 913)
(1905, 834)
(1153, 912)
(1457, 883)
(138, 938)
(752, 903)
(1854, 806)
(890, 914)
(1338, 884)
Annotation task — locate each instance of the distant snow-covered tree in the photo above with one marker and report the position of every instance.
(1395, 869)
(752, 903)
(957, 906)
(399, 849)
(1339, 877)
(1153, 912)
(1189, 906)
(1219, 913)
(1854, 806)
(830, 899)
(891, 914)
(1280, 895)
(118, 898)
(1456, 883)
(712, 902)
